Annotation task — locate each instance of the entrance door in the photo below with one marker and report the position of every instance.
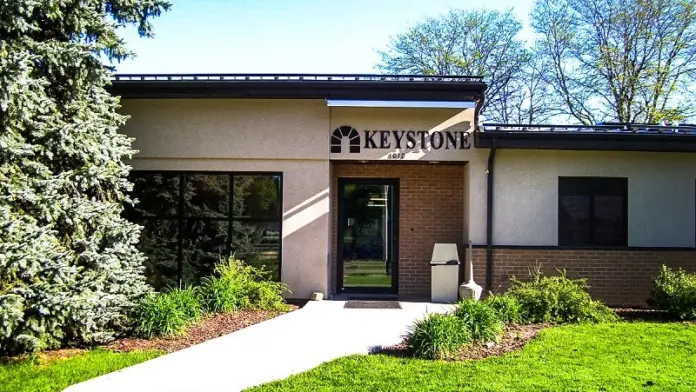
(367, 235)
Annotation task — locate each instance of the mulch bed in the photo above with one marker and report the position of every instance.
(207, 329)
(514, 338)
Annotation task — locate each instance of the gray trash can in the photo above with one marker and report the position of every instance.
(444, 270)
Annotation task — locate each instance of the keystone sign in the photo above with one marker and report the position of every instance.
(398, 139)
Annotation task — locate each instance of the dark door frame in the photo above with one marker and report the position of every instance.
(393, 242)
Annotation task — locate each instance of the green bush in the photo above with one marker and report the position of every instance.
(479, 320)
(438, 336)
(267, 295)
(558, 299)
(675, 292)
(167, 314)
(507, 307)
(236, 286)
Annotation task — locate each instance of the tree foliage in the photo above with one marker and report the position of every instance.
(475, 43)
(619, 60)
(69, 269)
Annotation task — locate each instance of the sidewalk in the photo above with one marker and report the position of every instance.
(272, 350)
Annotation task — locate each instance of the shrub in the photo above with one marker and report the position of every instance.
(558, 299)
(236, 285)
(166, 314)
(507, 307)
(675, 292)
(267, 295)
(438, 336)
(479, 320)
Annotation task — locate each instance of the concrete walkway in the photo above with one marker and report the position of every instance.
(272, 350)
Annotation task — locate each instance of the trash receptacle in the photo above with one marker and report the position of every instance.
(444, 269)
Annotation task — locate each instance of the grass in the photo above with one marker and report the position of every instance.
(365, 274)
(591, 357)
(36, 375)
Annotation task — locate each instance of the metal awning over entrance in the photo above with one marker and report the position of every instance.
(351, 103)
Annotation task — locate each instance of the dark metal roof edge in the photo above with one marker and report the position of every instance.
(155, 77)
(628, 141)
(373, 87)
(585, 135)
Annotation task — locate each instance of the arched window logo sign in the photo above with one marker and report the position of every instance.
(353, 139)
(398, 139)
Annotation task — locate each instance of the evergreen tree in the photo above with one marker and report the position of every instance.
(69, 268)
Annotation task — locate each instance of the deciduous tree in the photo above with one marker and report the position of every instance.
(475, 43)
(619, 60)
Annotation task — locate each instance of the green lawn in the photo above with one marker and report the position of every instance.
(609, 357)
(35, 376)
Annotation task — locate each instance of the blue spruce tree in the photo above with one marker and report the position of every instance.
(69, 268)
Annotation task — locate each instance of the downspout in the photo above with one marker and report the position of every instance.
(489, 218)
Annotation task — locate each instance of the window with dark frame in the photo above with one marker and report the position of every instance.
(592, 211)
(191, 220)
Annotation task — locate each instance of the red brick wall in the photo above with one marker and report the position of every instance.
(617, 277)
(431, 210)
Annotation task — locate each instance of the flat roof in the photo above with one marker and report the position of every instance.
(301, 86)
(611, 137)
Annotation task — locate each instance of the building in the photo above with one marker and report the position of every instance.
(343, 183)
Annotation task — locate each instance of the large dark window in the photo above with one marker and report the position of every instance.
(592, 211)
(192, 220)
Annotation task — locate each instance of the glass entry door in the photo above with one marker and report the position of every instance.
(367, 235)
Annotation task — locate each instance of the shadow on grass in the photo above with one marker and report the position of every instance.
(639, 314)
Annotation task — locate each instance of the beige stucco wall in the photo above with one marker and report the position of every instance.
(661, 200)
(251, 135)
(288, 136)
(229, 128)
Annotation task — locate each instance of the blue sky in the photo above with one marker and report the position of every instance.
(283, 36)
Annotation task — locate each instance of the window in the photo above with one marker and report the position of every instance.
(192, 220)
(592, 211)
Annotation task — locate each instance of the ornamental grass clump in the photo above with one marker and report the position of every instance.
(479, 320)
(438, 336)
(675, 292)
(558, 299)
(167, 314)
